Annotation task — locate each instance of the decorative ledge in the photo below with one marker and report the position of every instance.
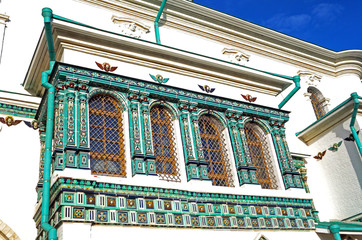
(323, 125)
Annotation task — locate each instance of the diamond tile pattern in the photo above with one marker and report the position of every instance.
(106, 136)
(167, 166)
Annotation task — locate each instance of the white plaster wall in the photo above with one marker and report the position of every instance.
(77, 231)
(19, 168)
(335, 181)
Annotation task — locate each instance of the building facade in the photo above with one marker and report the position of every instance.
(166, 117)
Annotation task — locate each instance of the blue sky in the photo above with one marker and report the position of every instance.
(336, 25)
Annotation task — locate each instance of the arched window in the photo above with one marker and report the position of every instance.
(259, 152)
(164, 144)
(107, 156)
(213, 144)
(318, 102)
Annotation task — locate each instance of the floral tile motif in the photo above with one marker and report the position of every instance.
(201, 208)
(167, 205)
(122, 217)
(78, 213)
(211, 221)
(69, 197)
(111, 202)
(195, 221)
(293, 223)
(91, 199)
(284, 212)
(149, 204)
(254, 222)
(271, 211)
(226, 221)
(102, 216)
(296, 212)
(246, 210)
(305, 223)
(185, 207)
(268, 222)
(231, 209)
(160, 218)
(178, 219)
(258, 210)
(142, 217)
(131, 203)
(217, 208)
(240, 221)
(281, 223)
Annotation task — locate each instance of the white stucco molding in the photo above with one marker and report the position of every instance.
(130, 27)
(335, 117)
(236, 56)
(310, 78)
(18, 99)
(78, 38)
(237, 33)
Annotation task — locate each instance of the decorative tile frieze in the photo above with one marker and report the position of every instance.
(148, 206)
(8, 109)
(123, 83)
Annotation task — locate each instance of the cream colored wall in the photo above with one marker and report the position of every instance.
(82, 231)
(335, 181)
(19, 169)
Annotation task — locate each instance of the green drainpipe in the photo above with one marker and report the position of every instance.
(296, 80)
(355, 98)
(52, 232)
(335, 230)
(158, 41)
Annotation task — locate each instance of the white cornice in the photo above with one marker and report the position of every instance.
(238, 33)
(327, 123)
(122, 48)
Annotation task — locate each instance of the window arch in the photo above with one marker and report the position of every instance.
(318, 102)
(258, 145)
(107, 150)
(213, 144)
(164, 144)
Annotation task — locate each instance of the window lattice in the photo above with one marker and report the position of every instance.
(259, 153)
(317, 101)
(164, 144)
(107, 154)
(213, 144)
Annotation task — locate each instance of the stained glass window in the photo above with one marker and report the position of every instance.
(260, 156)
(107, 156)
(164, 144)
(318, 102)
(213, 144)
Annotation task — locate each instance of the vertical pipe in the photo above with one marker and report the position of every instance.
(296, 80)
(335, 231)
(158, 41)
(353, 120)
(52, 232)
